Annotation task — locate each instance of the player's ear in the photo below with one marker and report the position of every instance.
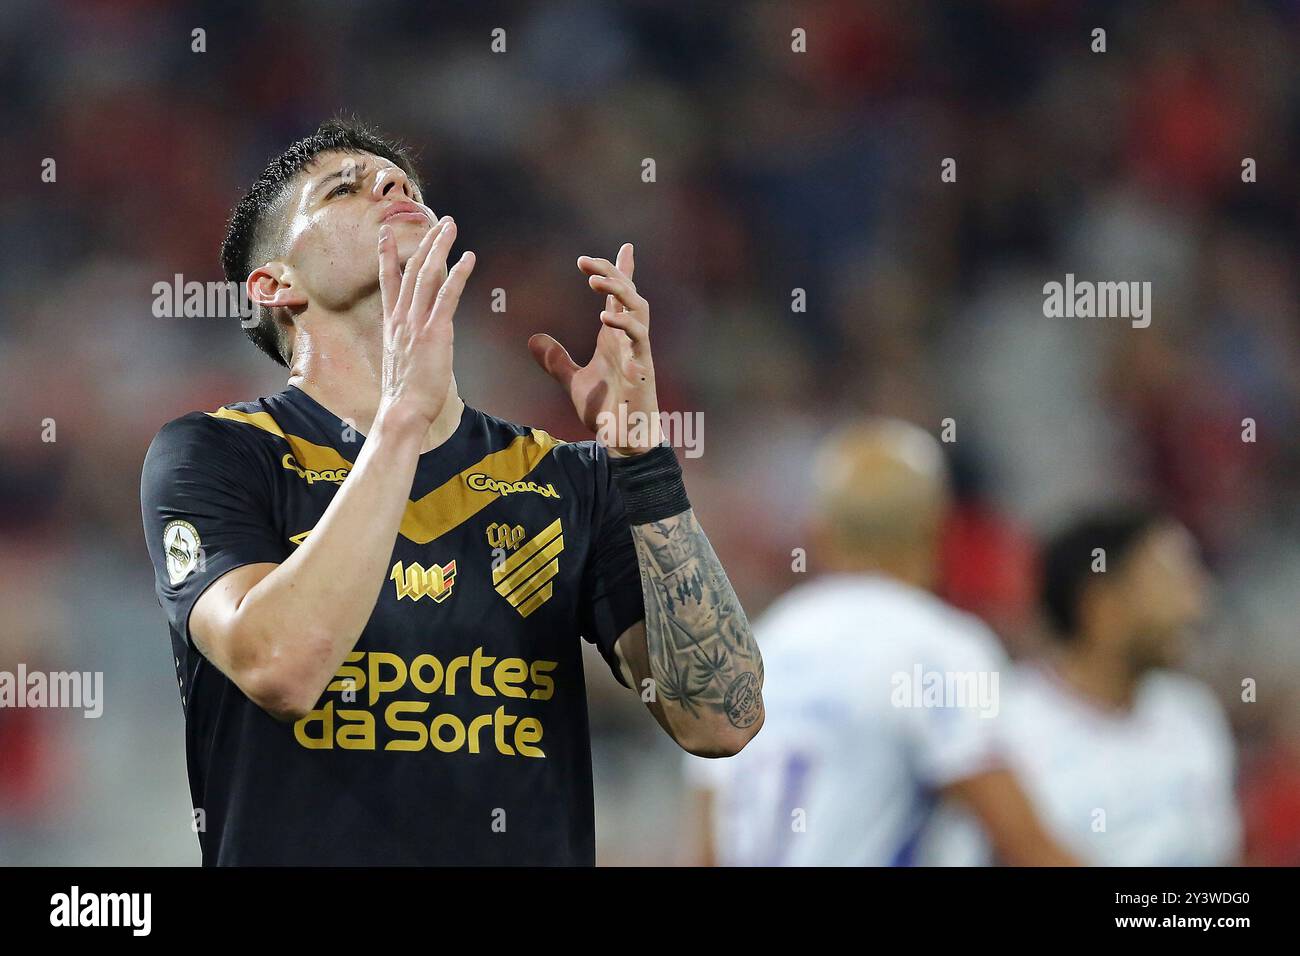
(272, 286)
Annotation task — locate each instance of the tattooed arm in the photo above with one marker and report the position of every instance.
(695, 646)
(693, 658)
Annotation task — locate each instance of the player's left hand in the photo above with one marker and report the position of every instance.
(621, 373)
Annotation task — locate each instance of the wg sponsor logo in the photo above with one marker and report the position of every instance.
(68, 690)
(966, 690)
(74, 909)
(414, 581)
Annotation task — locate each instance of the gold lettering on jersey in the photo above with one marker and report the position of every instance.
(504, 536)
(444, 508)
(415, 582)
(524, 579)
(481, 482)
(412, 727)
(332, 475)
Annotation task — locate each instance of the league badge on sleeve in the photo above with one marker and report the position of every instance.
(182, 547)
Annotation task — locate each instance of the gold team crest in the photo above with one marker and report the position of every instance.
(415, 582)
(524, 579)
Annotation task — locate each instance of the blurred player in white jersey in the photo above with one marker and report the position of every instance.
(881, 699)
(1130, 764)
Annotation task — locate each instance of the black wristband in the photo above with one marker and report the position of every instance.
(651, 485)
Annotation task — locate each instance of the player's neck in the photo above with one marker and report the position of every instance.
(1103, 678)
(342, 369)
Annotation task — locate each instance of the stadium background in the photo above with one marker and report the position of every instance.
(775, 171)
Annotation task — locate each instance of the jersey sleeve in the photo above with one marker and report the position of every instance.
(958, 739)
(205, 503)
(611, 600)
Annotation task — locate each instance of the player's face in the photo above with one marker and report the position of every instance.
(333, 221)
(1166, 588)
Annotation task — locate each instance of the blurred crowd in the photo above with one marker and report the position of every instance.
(774, 171)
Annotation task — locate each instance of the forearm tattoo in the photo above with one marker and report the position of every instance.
(702, 653)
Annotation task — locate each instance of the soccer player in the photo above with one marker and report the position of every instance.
(376, 592)
(855, 757)
(1130, 762)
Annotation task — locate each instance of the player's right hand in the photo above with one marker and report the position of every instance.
(418, 309)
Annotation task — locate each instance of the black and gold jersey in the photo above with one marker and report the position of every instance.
(456, 730)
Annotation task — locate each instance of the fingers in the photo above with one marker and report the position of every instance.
(449, 295)
(403, 305)
(629, 323)
(553, 358)
(596, 265)
(625, 260)
(606, 277)
(430, 277)
(622, 290)
(626, 265)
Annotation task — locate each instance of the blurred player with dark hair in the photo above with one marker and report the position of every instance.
(1130, 763)
(852, 765)
(376, 592)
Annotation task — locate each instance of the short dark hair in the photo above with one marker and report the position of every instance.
(248, 236)
(1067, 559)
